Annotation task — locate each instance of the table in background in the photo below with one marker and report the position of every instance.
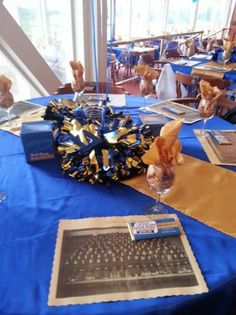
(228, 75)
(39, 195)
(132, 52)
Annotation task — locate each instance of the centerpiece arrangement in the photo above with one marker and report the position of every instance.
(97, 150)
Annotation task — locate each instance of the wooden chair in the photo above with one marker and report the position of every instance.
(90, 87)
(224, 105)
(189, 101)
(146, 59)
(171, 54)
(188, 82)
(191, 83)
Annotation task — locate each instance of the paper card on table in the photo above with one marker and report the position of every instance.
(181, 62)
(192, 63)
(20, 109)
(96, 261)
(153, 119)
(175, 111)
(221, 154)
(116, 100)
(15, 125)
(202, 56)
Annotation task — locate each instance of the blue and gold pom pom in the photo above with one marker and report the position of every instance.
(93, 150)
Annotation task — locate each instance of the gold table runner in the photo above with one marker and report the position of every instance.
(201, 190)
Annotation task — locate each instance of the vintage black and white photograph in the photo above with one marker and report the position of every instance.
(104, 264)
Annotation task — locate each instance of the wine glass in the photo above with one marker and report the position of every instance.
(206, 109)
(146, 89)
(6, 103)
(160, 179)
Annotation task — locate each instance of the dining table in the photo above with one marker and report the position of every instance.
(196, 66)
(188, 65)
(38, 195)
(133, 52)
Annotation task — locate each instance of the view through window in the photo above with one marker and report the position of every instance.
(151, 17)
(20, 87)
(47, 25)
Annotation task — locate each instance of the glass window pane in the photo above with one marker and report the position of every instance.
(122, 19)
(211, 15)
(46, 25)
(21, 89)
(155, 17)
(180, 16)
(139, 18)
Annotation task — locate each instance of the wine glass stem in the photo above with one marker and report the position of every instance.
(158, 201)
(9, 113)
(203, 127)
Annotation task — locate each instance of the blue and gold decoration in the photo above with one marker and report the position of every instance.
(97, 151)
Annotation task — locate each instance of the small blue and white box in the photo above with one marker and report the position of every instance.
(38, 140)
(149, 229)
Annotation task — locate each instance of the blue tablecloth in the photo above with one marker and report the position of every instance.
(39, 195)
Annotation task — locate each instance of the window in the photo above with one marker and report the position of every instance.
(122, 19)
(180, 16)
(138, 18)
(211, 15)
(47, 25)
(156, 17)
(20, 87)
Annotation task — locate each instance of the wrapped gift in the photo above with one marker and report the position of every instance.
(37, 140)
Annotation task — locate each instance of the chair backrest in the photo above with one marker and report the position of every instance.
(90, 87)
(226, 108)
(224, 105)
(64, 89)
(188, 101)
(146, 59)
(187, 81)
(191, 83)
(171, 53)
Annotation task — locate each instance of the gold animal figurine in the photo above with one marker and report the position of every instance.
(6, 98)
(77, 83)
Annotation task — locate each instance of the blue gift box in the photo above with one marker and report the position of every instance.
(38, 140)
